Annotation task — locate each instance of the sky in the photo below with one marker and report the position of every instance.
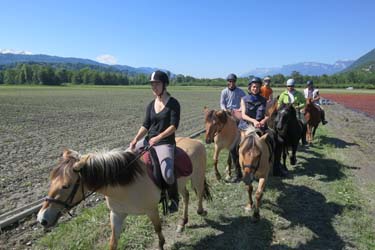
(194, 37)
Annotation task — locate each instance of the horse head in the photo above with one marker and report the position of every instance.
(285, 113)
(250, 155)
(66, 188)
(214, 123)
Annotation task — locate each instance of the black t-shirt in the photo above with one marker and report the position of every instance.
(156, 123)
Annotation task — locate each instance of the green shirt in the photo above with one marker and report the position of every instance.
(299, 99)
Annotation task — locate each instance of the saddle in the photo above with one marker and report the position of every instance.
(182, 166)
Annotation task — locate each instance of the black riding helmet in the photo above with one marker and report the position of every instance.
(309, 82)
(159, 76)
(255, 80)
(231, 77)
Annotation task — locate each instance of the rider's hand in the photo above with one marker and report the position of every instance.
(154, 140)
(132, 144)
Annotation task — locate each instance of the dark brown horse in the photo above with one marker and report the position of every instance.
(313, 118)
(221, 129)
(288, 131)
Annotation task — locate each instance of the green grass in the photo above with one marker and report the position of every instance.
(319, 208)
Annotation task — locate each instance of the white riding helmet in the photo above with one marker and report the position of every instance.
(290, 82)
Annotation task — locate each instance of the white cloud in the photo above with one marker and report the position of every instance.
(13, 51)
(107, 59)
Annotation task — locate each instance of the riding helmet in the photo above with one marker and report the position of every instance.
(290, 82)
(255, 80)
(159, 76)
(267, 78)
(231, 77)
(309, 82)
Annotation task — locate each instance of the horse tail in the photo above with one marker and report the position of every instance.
(206, 192)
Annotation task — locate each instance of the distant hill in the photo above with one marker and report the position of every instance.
(71, 62)
(365, 62)
(304, 68)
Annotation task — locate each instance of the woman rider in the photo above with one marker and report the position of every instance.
(159, 126)
(253, 107)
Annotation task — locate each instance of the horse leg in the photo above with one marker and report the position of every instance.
(185, 197)
(249, 206)
(155, 219)
(258, 197)
(285, 151)
(216, 161)
(293, 158)
(116, 226)
(229, 167)
(236, 162)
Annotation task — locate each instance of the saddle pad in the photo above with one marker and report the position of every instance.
(182, 163)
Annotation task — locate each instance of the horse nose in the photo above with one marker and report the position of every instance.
(208, 141)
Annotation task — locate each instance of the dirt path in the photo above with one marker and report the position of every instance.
(349, 130)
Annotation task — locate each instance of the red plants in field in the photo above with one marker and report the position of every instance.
(360, 102)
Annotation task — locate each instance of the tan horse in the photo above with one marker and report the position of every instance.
(256, 160)
(313, 118)
(221, 128)
(123, 179)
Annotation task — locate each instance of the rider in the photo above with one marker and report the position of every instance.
(266, 90)
(295, 97)
(159, 126)
(230, 97)
(253, 107)
(313, 93)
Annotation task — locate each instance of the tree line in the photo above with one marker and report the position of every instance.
(46, 74)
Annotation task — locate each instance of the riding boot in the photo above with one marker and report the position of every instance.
(322, 116)
(173, 197)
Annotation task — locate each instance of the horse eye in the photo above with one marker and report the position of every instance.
(65, 186)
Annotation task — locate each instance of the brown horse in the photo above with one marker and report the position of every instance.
(256, 160)
(313, 118)
(123, 179)
(221, 128)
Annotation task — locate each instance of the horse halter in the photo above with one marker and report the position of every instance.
(67, 204)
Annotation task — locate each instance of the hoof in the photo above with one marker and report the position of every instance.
(293, 161)
(248, 208)
(202, 213)
(180, 229)
(218, 176)
(256, 217)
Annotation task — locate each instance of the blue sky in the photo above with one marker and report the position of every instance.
(197, 38)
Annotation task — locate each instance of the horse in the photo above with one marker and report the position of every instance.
(288, 130)
(313, 118)
(256, 159)
(124, 180)
(221, 128)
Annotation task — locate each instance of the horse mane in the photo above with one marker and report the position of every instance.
(64, 168)
(248, 141)
(116, 167)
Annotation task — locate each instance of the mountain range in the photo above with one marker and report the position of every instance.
(8, 57)
(304, 68)
(364, 63)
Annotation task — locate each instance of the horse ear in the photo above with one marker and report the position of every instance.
(68, 153)
(82, 162)
(205, 110)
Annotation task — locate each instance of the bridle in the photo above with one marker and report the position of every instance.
(67, 204)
